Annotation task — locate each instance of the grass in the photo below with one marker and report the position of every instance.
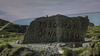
(16, 51)
(29, 54)
(97, 48)
(7, 50)
(3, 47)
(89, 51)
(11, 39)
(79, 50)
(5, 34)
(7, 37)
(6, 45)
(93, 32)
(67, 52)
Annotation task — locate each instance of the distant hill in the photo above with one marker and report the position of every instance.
(93, 17)
(24, 22)
(16, 28)
(13, 27)
(3, 22)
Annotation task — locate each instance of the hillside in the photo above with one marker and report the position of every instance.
(93, 32)
(13, 27)
(14, 32)
(8, 49)
(16, 28)
(93, 17)
(3, 22)
(24, 21)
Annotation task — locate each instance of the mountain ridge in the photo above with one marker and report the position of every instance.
(94, 18)
(3, 22)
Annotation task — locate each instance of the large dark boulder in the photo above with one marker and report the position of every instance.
(57, 28)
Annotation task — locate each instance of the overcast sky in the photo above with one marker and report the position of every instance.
(21, 9)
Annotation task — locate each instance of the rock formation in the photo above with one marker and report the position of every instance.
(57, 28)
(91, 24)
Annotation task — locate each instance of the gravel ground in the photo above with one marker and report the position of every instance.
(48, 49)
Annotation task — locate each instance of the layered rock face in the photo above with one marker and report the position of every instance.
(57, 28)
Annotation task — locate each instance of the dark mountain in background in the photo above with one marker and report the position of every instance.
(13, 27)
(93, 18)
(23, 21)
(16, 28)
(3, 22)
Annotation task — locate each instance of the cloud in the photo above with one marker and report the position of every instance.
(5, 15)
(22, 9)
(2, 12)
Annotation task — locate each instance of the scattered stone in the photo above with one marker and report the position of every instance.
(61, 51)
(17, 42)
(86, 45)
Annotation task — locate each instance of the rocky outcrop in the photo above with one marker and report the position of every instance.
(57, 28)
(91, 24)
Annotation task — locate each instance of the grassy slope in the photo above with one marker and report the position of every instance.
(3, 22)
(12, 32)
(93, 32)
(7, 36)
(16, 28)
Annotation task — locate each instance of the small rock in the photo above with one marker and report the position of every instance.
(17, 42)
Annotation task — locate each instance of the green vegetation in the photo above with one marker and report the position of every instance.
(93, 32)
(6, 37)
(13, 27)
(5, 45)
(79, 50)
(67, 52)
(97, 48)
(16, 51)
(88, 51)
(3, 22)
(9, 34)
(29, 54)
(14, 32)
(5, 52)
(92, 50)
(16, 28)
(8, 50)
(5, 49)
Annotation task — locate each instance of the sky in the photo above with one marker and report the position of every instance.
(12, 10)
